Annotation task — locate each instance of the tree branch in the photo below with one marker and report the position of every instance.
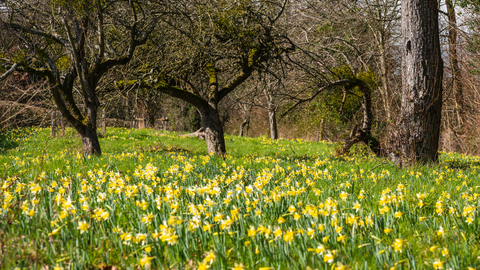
(319, 91)
(247, 69)
(8, 72)
(36, 32)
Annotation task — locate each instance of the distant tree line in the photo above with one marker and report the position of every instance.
(399, 76)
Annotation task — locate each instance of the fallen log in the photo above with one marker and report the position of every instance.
(199, 134)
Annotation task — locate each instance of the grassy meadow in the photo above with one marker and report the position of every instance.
(157, 200)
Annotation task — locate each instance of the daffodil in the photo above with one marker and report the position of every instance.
(83, 226)
(437, 264)
(398, 244)
(145, 261)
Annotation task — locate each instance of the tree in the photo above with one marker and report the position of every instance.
(74, 44)
(417, 134)
(214, 46)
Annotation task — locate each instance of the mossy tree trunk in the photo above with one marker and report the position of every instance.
(417, 135)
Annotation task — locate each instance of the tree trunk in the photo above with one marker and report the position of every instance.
(272, 114)
(90, 143)
(320, 131)
(104, 122)
(364, 134)
(456, 75)
(88, 131)
(242, 127)
(272, 119)
(385, 89)
(418, 131)
(213, 130)
(246, 120)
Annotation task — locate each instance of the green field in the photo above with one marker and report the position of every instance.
(157, 200)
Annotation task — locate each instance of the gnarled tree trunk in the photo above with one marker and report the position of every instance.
(214, 135)
(90, 143)
(364, 134)
(418, 131)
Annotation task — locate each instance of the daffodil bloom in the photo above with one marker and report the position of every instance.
(83, 226)
(357, 206)
(145, 261)
(147, 219)
(328, 257)
(277, 232)
(325, 239)
(238, 267)
(398, 244)
(437, 264)
(469, 220)
(54, 232)
(203, 266)
(445, 252)
(210, 257)
(288, 236)
(252, 232)
(341, 238)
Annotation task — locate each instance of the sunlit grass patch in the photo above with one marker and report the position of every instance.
(157, 200)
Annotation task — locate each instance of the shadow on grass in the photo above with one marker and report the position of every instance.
(7, 142)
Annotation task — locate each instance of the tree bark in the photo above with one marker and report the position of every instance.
(104, 122)
(90, 143)
(272, 119)
(418, 130)
(214, 135)
(272, 114)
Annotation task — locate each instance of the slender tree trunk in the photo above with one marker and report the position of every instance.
(246, 120)
(213, 130)
(418, 131)
(272, 119)
(104, 122)
(456, 75)
(272, 115)
(242, 128)
(385, 89)
(320, 131)
(244, 124)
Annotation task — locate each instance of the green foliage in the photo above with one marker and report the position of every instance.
(157, 200)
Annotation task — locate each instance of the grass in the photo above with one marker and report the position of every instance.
(157, 200)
